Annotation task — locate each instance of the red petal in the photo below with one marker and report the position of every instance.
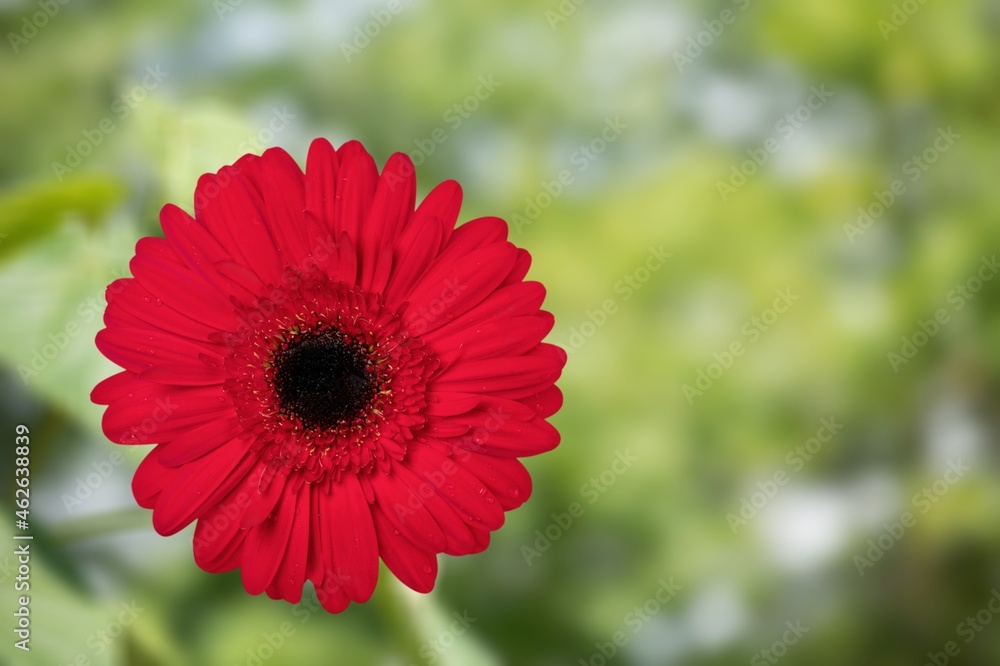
(460, 539)
(474, 234)
(291, 574)
(265, 497)
(355, 188)
(513, 377)
(266, 545)
(441, 207)
(520, 269)
(150, 479)
(546, 403)
(512, 336)
(175, 287)
(352, 537)
(140, 349)
(331, 596)
(449, 404)
(406, 512)
(114, 388)
(507, 478)
(283, 187)
(200, 484)
(414, 567)
(520, 299)
(415, 251)
(345, 268)
(149, 419)
(232, 213)
(474, 502)
(391, 208)
(198, 249)
(132, 304)
(521, 439)
(322, 168)
(383, 269)
(184, 375)
(450, 289)
(200, 440)
(320, 567)
(218, 538)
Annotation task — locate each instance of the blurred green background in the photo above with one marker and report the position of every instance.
(784, 394)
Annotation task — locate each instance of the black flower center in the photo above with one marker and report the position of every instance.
(323, 380)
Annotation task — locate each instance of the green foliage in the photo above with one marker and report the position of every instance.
(243, 76)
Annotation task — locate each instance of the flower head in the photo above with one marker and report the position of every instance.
(329, 374)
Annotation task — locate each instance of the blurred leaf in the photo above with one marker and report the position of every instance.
(35, 209)
(198, 139)
(56, 286)
(64, 623)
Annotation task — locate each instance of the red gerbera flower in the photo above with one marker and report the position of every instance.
(329, 375)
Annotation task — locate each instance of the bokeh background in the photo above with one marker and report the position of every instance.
(768, 231)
